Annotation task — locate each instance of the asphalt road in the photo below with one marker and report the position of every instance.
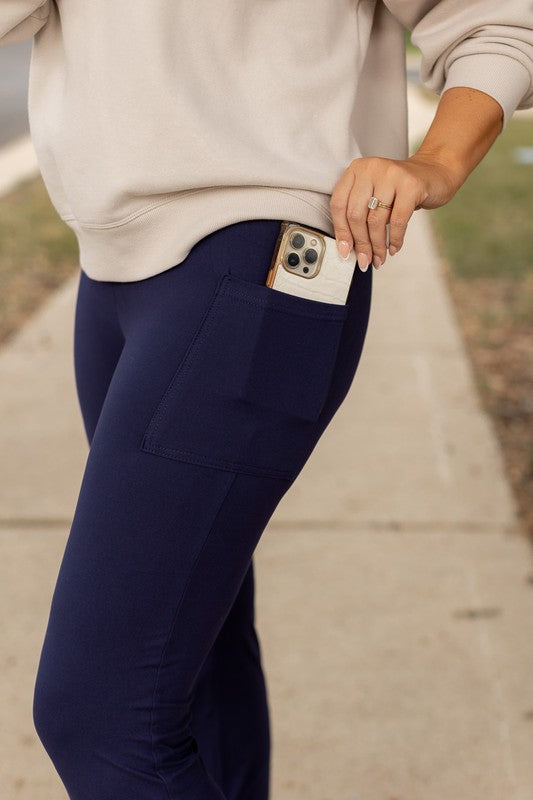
(14, 76)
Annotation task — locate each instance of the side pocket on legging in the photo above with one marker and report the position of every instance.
(252, 384)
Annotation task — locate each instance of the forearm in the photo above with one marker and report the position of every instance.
(466, 124)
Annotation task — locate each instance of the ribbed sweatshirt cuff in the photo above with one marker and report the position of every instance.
(502, 77)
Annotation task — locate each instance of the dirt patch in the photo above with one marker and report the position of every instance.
(495, 317)
(37, 253)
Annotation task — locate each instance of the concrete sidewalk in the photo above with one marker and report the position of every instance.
(394, 587)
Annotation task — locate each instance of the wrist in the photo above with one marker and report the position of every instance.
(449, 162)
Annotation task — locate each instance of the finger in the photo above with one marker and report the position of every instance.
(356, 213)
(337, 205)
(377, 219)
(404, 206)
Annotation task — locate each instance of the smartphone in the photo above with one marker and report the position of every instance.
(306, 263)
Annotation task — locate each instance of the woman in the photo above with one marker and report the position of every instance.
(173, 139)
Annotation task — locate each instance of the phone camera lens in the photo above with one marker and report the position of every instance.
(297, 240)
(293, 259)
(310, 255)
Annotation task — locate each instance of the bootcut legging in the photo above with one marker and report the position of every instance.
(203, 392)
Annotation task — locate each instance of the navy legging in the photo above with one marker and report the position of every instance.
(203, 393)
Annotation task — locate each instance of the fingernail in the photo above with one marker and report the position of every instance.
(344, 249)
(362, 260)
(393, 250)
(377, 262)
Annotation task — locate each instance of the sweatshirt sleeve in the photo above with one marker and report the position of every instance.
(485, 45)
(21, 19)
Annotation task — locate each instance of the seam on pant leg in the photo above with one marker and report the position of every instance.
(174, 618)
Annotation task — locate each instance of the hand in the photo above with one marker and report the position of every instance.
(417, 182)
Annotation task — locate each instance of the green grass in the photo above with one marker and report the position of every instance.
(486, 230)
(408, 43)
(38, 251)
(486, 237)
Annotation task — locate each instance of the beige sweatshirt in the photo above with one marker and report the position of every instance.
(157, 122)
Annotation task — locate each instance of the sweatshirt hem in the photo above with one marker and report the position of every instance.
(162, 236)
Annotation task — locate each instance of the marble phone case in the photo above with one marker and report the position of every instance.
(326, 279)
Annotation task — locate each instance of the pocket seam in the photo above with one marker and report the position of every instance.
(332, 315)
(231, 466)
(224, 289)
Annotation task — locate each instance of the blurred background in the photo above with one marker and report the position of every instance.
(395, 586)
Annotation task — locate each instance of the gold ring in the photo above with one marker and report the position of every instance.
(375, 203)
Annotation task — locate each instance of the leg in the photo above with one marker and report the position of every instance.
(98, 343)
(235, 747)
(230, 714)
(153, 564)
(158, 551)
